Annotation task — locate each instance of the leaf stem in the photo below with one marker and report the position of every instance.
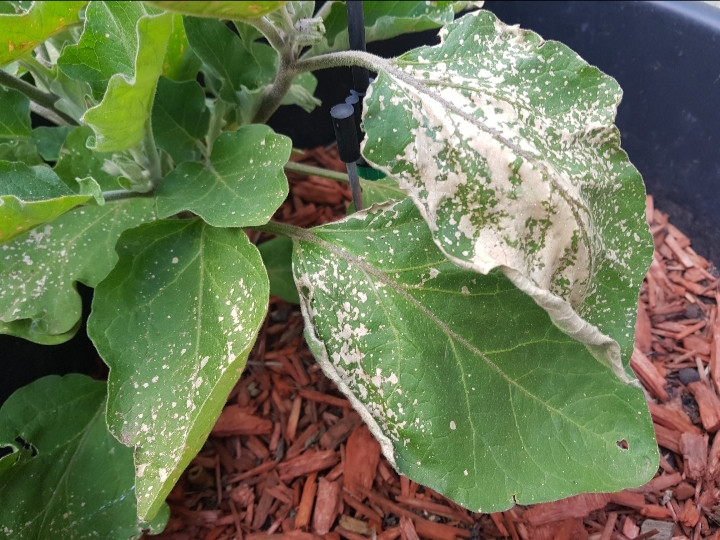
(122, 194)
(154, 166)
(317, 171)
(281, 229)
(343, 59)
(46, 100)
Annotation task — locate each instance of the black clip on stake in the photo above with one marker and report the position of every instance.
(356, 35)
(343, 119)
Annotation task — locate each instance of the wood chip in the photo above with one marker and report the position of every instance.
(327, 506)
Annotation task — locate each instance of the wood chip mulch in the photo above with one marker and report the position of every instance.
(290, 458)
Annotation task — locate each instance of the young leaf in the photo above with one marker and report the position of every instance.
(179, 118)
(244, 184)
(277, 258)
(464, 380)
(515, 163)
(220, 10)
(38, 300)
(30, 196)
(120, 119)
(22, 32)
(239, 66)
(384, 20)
(70, 478)
(76, 160)
(175, 321)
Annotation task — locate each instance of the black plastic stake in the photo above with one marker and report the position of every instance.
(343, 119)
(356, 33)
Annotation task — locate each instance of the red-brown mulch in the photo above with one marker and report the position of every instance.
(290, 458)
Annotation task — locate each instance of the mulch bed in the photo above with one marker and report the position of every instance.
(290, 458)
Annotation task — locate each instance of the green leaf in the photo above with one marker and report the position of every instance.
(74, 480)
(49, 140)
(243, 185)
(220, 10)
(119, 120)
(175, 321)
(109, 43)
(277, 258)
(301, 93)
(181, 63)
(507, 146)
(384, 20)
(22, 150)
(463, 379)
(77, 161)
(31, 196)
(38, 300)
(15, 118)
(22, 32)
(239, 66)
(180, 118)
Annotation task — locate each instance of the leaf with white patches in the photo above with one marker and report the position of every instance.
(467, 384)
(514, 162)
(243, 184)
(175, 322)
(39, 269)
(66, 477)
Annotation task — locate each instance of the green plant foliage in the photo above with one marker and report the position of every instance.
(463, 379)
(63, 452)
(277, 258)
(180, 118)
(38, 300)
(21, 32)
(121, 117)
(384, 20)
(189, 300)
(244, 185)
(220, 10)
(478, 313)
(551, 211)
(31, 196)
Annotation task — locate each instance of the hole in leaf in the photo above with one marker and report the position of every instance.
(623, 444)
(6, 450)
(26, 446)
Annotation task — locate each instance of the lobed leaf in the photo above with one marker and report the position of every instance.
(243, 184)
(175, 321)
(120, 119)
(38, 300)
(21, 32)
(68, 477)
(220, 10)
(30, 196)
(507, 146)
(467, 384)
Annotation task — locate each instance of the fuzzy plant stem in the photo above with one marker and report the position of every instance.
(45, 100)
(301, 168)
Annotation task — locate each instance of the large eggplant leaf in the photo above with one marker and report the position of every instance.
(67, 477)
(121, 118)
(467, 384)
(243, 184)
(175, 322)
(507, 146)
(30, 196)
(220, 10)
(38, 299)
(22, 32)
(384, 20)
